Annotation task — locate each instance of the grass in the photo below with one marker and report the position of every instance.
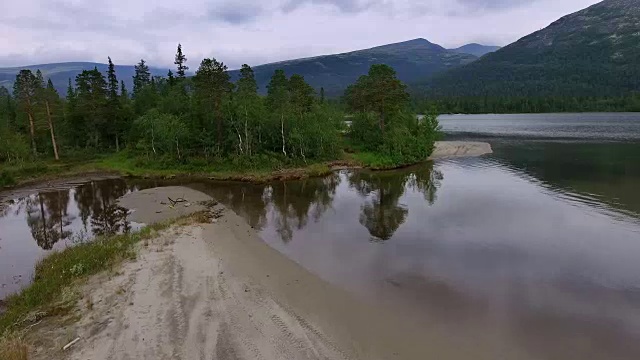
(259, 169)
(60, 270)
(13, 348)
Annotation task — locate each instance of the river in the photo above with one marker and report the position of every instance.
(535, 247)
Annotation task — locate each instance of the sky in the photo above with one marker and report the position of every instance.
(254, 32)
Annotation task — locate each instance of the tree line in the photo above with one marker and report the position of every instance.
(512, 105)
(205, 118)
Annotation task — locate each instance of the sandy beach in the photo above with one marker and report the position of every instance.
(451, 149)
(217, 291)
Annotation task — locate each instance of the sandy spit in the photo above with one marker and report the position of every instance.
(449, 149)
(217, 291)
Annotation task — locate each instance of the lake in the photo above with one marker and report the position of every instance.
(533, 249)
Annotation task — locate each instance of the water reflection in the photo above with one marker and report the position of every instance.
(382, 212)
(52, 219)
(48, 218)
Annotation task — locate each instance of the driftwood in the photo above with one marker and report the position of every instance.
(176, 201)
(71, 344)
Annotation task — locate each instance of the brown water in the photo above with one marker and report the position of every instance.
(534, 248)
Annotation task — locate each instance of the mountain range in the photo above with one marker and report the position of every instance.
(414, 59)
(60, 73)
(593, 52)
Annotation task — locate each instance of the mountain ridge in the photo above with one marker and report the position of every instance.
(591, 52)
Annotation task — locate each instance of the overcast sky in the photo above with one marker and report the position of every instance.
(254, 31)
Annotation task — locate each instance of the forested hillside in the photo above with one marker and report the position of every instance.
(414, 59)
(60, 73)
(594, 52)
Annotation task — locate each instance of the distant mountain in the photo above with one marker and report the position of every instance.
(414, 59)
(593, 52)
(60, 73)
(476, 49)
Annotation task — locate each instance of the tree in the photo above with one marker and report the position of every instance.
(212, 85)
(379, 91)
(142, 77)
(322, 95)
(180, 62)
(171, 78)
(301, 94)
(91, 102)
(25, 90)
(249, 110)
(113, 104)
(52, 102)
(278, 101)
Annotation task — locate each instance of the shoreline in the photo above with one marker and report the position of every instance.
(442, 150)
(215, 289)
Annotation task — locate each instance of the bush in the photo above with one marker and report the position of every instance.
(406, 140)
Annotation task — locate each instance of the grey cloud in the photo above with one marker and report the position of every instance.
(235, 13)
(346, 6)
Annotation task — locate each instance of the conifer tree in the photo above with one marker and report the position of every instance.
(25, 90)
(181, 61)
(142, 77)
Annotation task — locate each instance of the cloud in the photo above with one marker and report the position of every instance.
(236, 12)
(345, 6)
(254, 31)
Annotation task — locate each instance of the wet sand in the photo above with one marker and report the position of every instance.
(450, 149)
(217, 291)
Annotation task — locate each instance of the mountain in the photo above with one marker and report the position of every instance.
(412, 60)
(593, 52)
(60, 73)
(476, 49)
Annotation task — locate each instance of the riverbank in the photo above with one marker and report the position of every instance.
(51, 174)
(214, 289)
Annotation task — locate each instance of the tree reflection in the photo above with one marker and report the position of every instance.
(295, 201)
(382, 213)
(48, 218)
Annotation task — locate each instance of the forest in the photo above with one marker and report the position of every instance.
(524, 105)
(205, 122)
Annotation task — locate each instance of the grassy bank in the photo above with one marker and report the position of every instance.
(60, 270)
(254, 170)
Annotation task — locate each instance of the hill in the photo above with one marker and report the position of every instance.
(414, 59)
(60, 73)
(593, 52)
(476, 49)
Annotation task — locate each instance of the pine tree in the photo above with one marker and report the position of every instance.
(322, 95)
(171, 78)
(25, 90)
(124, 94)
(92, 100)
(211, 86)
(142, 77)
(112, 81)
(301, 94)
(180, 62)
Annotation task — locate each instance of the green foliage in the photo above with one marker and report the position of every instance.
(516, 105)
(382, 126)
(158, 135)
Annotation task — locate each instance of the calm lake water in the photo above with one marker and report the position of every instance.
(535, 247)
